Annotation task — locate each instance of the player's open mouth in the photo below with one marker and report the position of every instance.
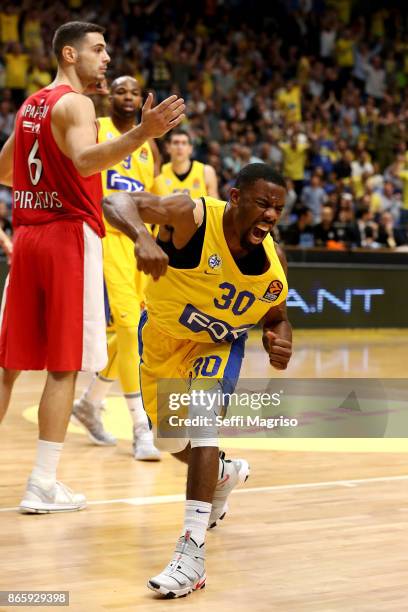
(259, 232)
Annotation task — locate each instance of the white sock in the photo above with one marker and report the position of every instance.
(196, 517)
(136, 410)
(46, 463)
(97, 390)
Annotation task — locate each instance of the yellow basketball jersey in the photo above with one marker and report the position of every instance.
(134, 173)
(193, 185)
(215, 302)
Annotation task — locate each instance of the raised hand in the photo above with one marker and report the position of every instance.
(158, 120)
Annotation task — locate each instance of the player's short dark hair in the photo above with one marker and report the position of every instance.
(72, 33)
(253, 172)
(180, 132)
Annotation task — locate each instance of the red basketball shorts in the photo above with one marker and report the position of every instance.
(53, 307)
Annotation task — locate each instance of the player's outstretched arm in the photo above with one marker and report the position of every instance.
(6, 244)
(129, 213)
(6, 161)
(277, 330)
(74, 128)
(211, 182)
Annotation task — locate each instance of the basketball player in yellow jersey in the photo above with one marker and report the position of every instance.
(124, 284)
(182, 174)
(218, 273)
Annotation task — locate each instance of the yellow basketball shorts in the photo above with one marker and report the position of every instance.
(163, 358)
(123, 282)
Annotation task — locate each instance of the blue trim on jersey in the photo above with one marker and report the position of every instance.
(106, 304)
(234, 363)
(142, 323)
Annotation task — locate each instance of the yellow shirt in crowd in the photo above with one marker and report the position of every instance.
(8, 28)
(294, 160)
(290, 102)
(16, 70)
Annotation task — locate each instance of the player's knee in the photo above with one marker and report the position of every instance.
(200, 442)
(128, 342)
(171, 445)
(60, 376)
(9, 376)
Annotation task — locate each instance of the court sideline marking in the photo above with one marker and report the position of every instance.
(168, 499)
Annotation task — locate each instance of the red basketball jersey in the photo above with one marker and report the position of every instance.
(46, 185)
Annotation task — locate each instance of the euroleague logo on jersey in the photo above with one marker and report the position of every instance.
(196, 184)
(273, 291)
(214, 261)
(144, 155)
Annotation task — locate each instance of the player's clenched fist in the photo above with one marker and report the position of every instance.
(278, 349)
(151, 259)
(162, 118)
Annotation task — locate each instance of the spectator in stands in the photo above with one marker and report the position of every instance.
(289, 101)
(39, 75)
(300, 233)
(294, 161)
(17, 63)
(342, 168)
(389, 235)
(375, 78)
(326, 230)
(390, 201)
(346, 225)
(365, 222)
(313, 196)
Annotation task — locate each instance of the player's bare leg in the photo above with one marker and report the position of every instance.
(202, 473)
(44, 493)
(231, 473)
(55, 406)
(7, 380)
(186, 571)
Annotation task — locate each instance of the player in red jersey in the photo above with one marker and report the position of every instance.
(54, 309)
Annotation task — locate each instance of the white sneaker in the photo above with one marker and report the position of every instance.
(58, 498)
(89, 415)
(143, 444)
(185, 573)
(234, 473)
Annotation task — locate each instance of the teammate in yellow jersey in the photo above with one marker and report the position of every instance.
(182, 174)
(218, 273)
(124, 284)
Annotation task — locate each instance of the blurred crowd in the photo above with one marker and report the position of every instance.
(318, 88)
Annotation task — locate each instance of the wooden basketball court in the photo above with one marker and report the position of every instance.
(313, 530)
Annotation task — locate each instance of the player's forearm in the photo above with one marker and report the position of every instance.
(282, 328)
(6, 162)
(129, 212)
(122, 212)
(104, 155)
(6, 178)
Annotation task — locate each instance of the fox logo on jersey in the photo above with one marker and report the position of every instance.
(273, 291)
(116, 181)
(219, 331)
